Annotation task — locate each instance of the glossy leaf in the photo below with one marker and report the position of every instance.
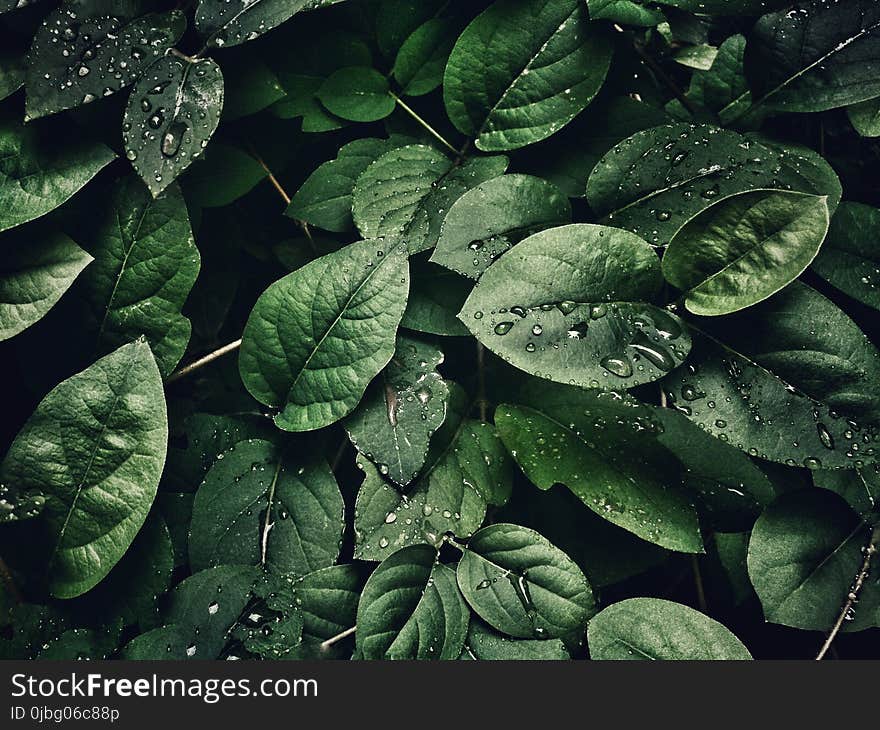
(393, 424)
(654, 629)
(523, 586)
(358, 94)
(411, 608)
(524, 69)
(565, 305)
(422, 58)
(34, 276)
(484, 644)
(172, 112)
(90, 458)
(497, 214)
(744, 249)
(81, 53)
(257, 506)
(317, 337)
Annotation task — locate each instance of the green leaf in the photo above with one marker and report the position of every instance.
(221, 176)
(586, 441)
(407, 191)
(523, 586)
(258, 507)
(411, 608)
(41, 167)
(805, 552)
(202, 610)
(171, 114)
(145, 264)
(700, 57)
(484, 644)
(435, 299)
(273, 628)
(325, 198)
(421, 60)
(654, 629)
(400, 411)
(317, 337)
(358, 94)
(625, 12)
(328, 600)
(224, 24)
(850, 258)
(523, 70)
(79, 645)
(859, 487)
(778, 379)
(81, 53)
(655, 181)
(560, 306)
(817, 56)
(743, 249)
(91, 456)
(251, 86)
(489, 219)
(34, 276)
(12, 72)
(397, 20)
(865, 117)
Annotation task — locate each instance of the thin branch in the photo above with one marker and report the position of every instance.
(424, 124)
(339, 637)
(665, 78)
(853, 596)
(7, 578)
(200, 363)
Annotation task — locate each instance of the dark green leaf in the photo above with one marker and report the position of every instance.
(358, 94)
(484, 644)
(221, 176)
(422, 58)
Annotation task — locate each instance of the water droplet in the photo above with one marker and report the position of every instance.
(502, 328)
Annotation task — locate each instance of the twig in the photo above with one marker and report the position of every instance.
(665, 78)
(339, 637)
(853, 595)
(421, 121)
(206, 360)
(6, 575)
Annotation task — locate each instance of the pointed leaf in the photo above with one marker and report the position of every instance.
(317, 337)
(422, 58)
(91, 455)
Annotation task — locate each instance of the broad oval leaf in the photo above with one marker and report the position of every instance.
(357, 94)
(145, 264)
(484, 644)
(492, 217)
(586, 441)
(522, 70)
(804, 554)
(744, 249)
(91, 456)
(422, 58)
(784, 382)
(34, 276)
(172, 112)
(408, 190)
(566, 305)
(818, 55)
(223, 23)
(655, 181)
(411, 608)
(523, 586)
(328, 601)
(316, 338)
(82, 53)
(202, 610)
(654, 629)
(850, 258)
(393, 424)
(258, 507)
(41, 167)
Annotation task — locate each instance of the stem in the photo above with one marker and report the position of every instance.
(665, 78)
(206, 360)
(421, 121)
(188, 59)
(340, 452)
(339, 637)
(481, 381)
(698, 582)
(663, 401)
(282, 192)
(853, 595)
(6, 575)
